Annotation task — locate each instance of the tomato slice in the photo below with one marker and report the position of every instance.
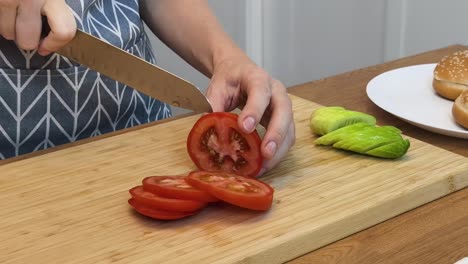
(235, 189)
(175, 187)
(216, 143)
(156, 213)
(168, 204)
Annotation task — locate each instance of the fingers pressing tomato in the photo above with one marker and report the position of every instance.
(216, 143)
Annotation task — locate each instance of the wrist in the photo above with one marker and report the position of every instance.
(226, 54)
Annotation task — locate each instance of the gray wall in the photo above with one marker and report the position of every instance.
(431, 24)
(308, 40)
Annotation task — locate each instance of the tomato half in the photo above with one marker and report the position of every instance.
(216, 143)
(155, 213)
(175, 187)
(168, 204)
(237, 190)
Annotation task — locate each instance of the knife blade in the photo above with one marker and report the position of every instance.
(135, 72)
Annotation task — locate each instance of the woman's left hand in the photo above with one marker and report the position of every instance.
(238, 82)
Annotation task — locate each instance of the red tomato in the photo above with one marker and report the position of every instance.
(237, 190)
(216, 143)
(168, 204)
(175, 187)
(155, 213)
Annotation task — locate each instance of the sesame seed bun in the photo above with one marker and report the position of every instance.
(460, 109)
(451, 75)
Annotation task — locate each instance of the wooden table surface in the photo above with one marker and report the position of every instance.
(434, 233)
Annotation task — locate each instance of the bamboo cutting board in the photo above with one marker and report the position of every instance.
(70, 206)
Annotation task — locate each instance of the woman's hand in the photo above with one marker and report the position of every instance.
(21, 21)
(191, 29)
(237, 81)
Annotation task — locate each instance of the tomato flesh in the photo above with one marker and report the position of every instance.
(162, 203)
(175, 187)
(234, 189)
(156, 213)
(216, 143)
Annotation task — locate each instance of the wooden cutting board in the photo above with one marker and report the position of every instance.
(70, 206)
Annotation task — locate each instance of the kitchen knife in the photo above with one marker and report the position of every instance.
(134, 72)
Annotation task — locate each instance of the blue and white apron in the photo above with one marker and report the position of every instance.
(48, 101)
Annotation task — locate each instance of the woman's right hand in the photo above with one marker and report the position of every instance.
(21, 21)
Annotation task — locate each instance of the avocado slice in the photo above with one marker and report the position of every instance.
(327, 119)
(339, 134)
(391, 151)
(363, 138)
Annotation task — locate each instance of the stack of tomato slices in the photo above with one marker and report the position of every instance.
(175, 197)
(222, 152)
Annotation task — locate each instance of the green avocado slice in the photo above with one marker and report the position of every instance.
(368, 138)
(391, 151)
(327, 119)
(341, 133)
(383, 141)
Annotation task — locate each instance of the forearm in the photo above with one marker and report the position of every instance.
(190, 29)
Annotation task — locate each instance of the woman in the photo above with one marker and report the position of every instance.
(47, 100)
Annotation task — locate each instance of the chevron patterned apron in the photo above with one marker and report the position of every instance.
(49, 101)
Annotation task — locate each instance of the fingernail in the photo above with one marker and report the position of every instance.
(249, 124)
(271, 148)
(43, 52)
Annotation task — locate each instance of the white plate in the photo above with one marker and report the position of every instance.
(408, 94)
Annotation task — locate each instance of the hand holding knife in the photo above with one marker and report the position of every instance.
(134, 72)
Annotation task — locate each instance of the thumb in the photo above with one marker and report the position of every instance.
(62, 26)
